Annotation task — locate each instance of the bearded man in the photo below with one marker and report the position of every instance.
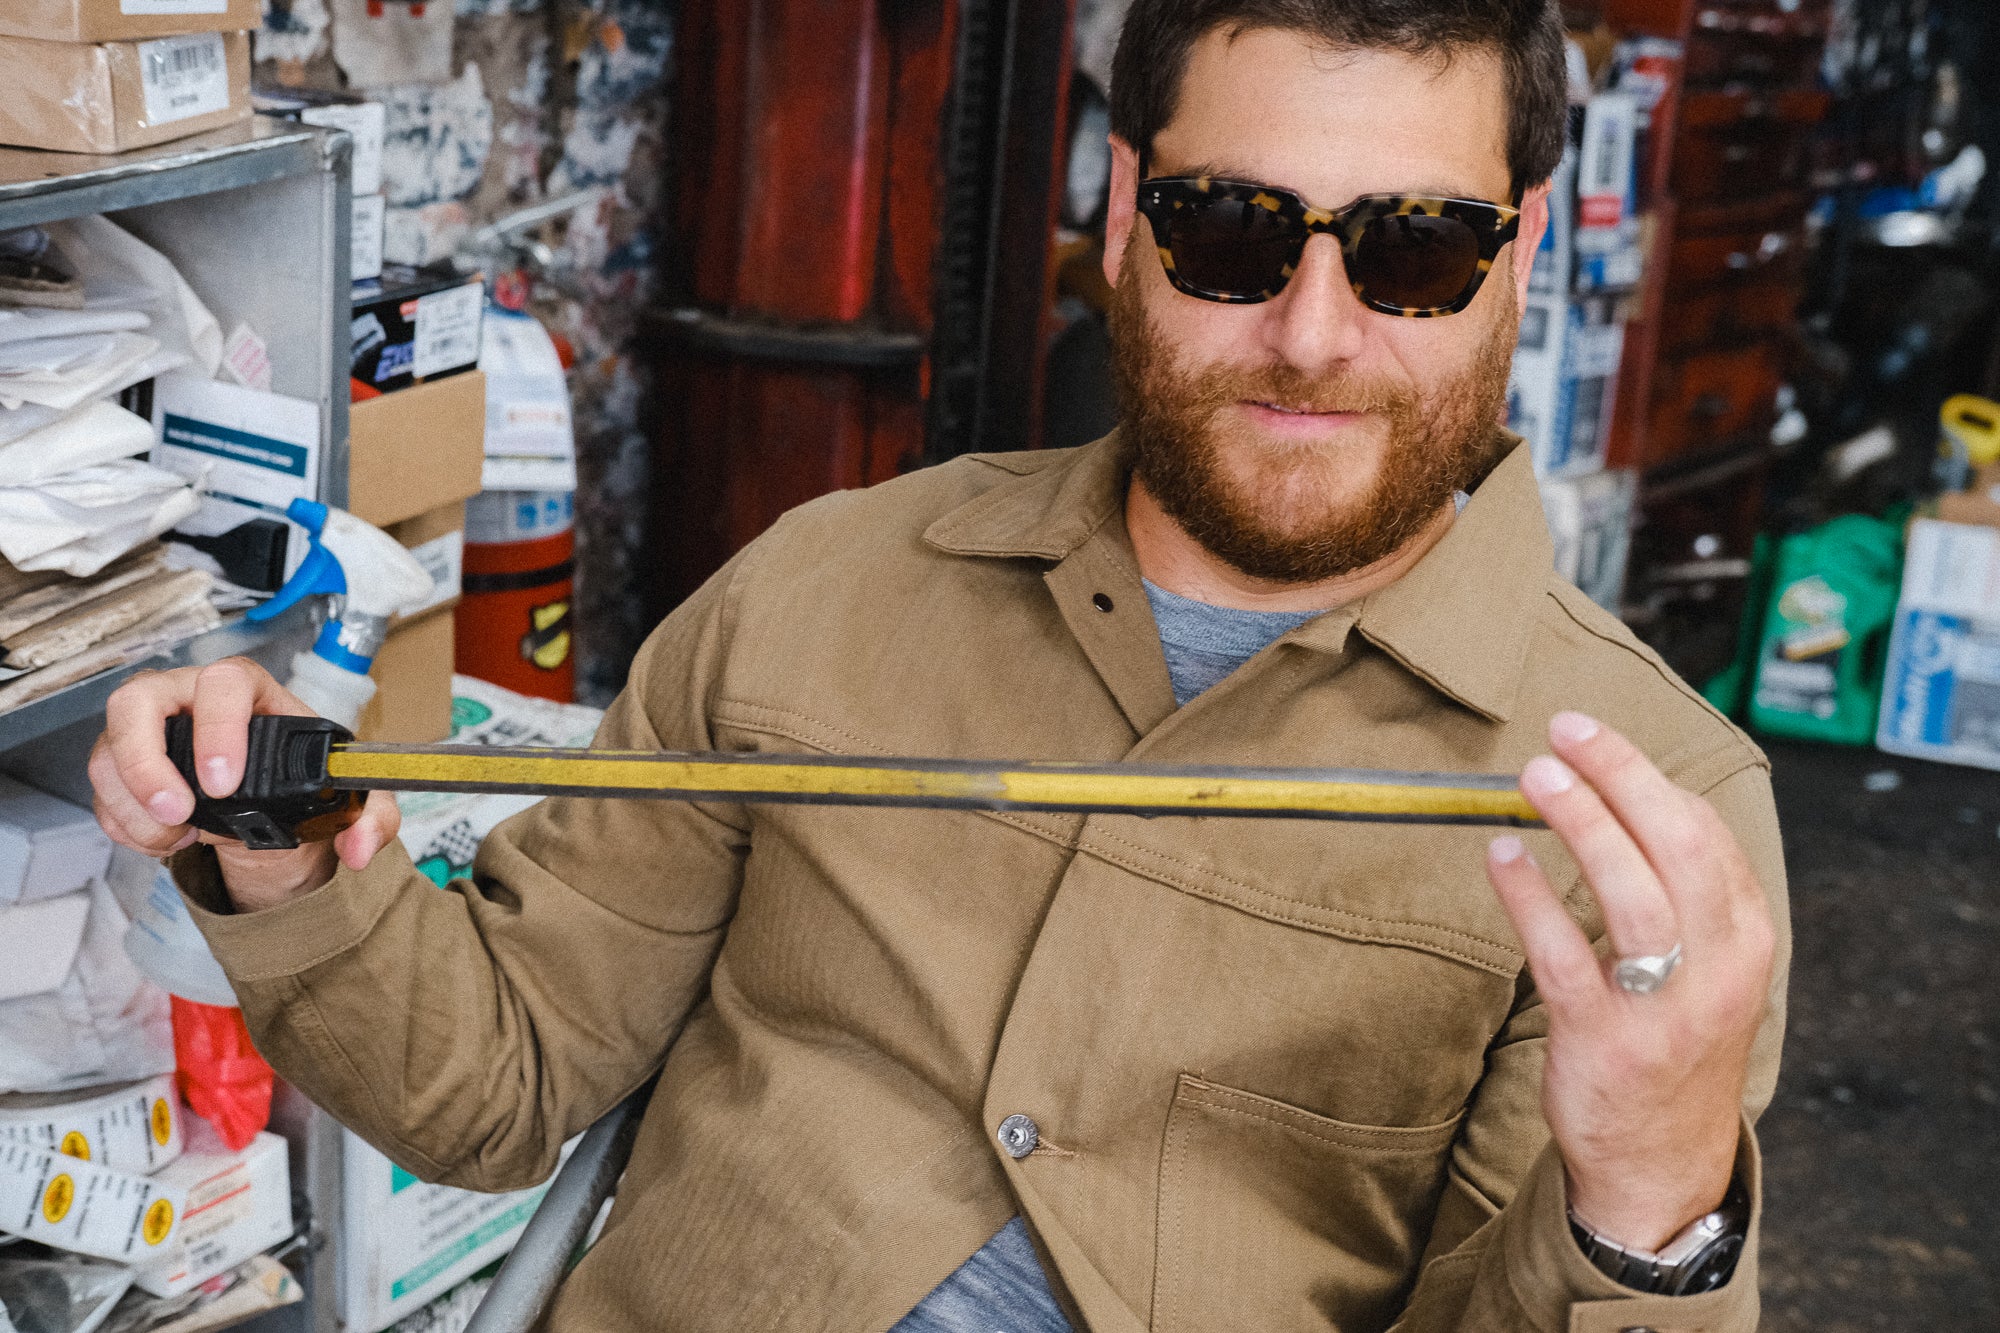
(944, 1071)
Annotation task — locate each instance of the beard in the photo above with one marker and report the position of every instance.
(1286, 512)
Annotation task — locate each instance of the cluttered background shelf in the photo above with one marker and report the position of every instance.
(42, 718)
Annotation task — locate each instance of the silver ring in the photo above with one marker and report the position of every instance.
(1646, 973)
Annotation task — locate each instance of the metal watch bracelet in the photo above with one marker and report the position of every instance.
(1701, 1258)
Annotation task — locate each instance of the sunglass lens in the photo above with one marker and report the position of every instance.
(1232, 247)
(1415, 261)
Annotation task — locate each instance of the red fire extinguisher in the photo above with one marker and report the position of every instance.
(514, 622)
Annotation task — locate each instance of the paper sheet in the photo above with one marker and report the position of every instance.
(81, 521)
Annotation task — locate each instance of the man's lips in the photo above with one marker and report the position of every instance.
(1282, 417)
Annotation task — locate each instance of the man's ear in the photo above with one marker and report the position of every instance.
(1528, 242)
(1122, 208)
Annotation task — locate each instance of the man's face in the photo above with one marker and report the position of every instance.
(1308, 436)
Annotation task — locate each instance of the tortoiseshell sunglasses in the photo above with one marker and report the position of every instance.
(1407, 255)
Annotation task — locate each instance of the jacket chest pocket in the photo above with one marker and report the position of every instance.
(1274, 1218)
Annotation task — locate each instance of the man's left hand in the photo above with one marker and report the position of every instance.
(1643, 1091)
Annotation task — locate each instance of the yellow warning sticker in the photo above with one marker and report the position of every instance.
(159, 1221)
(57, 1198)
(163, 1121)
(74, 1144)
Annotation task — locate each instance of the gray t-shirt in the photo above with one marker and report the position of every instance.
(1204, 643)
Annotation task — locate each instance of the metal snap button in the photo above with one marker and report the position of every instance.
(1018, 1136)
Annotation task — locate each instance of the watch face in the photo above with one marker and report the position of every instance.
(1711, 1268)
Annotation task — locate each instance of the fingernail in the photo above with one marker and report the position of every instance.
(1547, 776)
(187, 840)
(1505, 849)
(166, 807)
(1572, 727)
(218, 777)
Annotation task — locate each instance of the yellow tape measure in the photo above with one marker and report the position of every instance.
(304, 777)
(936, 783)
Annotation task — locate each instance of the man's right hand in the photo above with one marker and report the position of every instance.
(143, 803)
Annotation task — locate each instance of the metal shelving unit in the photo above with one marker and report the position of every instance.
(256, 217)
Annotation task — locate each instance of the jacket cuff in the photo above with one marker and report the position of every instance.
(1559, 1289)
(292, 937)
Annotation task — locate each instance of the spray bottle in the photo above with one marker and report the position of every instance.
(368, 577)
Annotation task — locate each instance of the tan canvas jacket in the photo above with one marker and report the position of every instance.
(1285, 1073)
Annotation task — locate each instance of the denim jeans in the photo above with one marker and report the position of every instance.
(1000, 1289)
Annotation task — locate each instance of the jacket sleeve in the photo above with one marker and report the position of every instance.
(468, 1031)
(1501, 1258)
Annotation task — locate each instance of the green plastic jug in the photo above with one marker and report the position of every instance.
(1825, 639)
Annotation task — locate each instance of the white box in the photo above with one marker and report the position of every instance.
(364, 121)
(365, 237)
(404, 1243)
(261, 446)
(48, 847)
(1941, 693)
(238, 1204)
(1596, 240)
(1564, 386)
(1590, 522)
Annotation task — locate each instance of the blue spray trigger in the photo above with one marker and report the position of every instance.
(318, 573)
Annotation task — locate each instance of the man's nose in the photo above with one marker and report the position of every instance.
(1317, 321)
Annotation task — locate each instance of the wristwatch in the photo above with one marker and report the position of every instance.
(1701, 1258)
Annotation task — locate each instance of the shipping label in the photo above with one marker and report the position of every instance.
(133, 7)
(184, 77)
(133, 1129)
(75, 1205)
(447, 325)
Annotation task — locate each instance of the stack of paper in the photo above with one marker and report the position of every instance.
(84, 585)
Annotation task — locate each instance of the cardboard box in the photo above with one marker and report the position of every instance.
(364, 237)
(1590, 521)
(1564, 386)
(124, 20)
(1597, 239)
(362, 119)
(403, 1243)
(437, 540)
(108, 98)
(413, 325)
(412, 672)
(238, 1204)
(1941, 695)
(47, 846)
(1978, 503)
(414, 451)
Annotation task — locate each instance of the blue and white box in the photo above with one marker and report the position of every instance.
(1941, 695)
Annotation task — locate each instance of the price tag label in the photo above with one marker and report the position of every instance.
(184, 77)
(447, 334)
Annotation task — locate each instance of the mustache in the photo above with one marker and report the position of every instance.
(1285, 385)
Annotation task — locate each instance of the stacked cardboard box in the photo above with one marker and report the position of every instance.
(414, 458)
(1565, 379)
(363, 120)
(103, 76)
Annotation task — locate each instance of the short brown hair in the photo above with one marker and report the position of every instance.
(1528, 35)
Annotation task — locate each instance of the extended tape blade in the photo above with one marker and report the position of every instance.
(1364, 794)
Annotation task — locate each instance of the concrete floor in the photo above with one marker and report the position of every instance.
(1883, 1144)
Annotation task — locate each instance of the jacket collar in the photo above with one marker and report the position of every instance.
(1460, 620)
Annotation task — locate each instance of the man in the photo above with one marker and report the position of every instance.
(952, 1071)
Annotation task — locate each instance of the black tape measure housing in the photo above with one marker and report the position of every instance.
(285, 797)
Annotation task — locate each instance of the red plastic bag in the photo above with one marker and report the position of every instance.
(222, 1078)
